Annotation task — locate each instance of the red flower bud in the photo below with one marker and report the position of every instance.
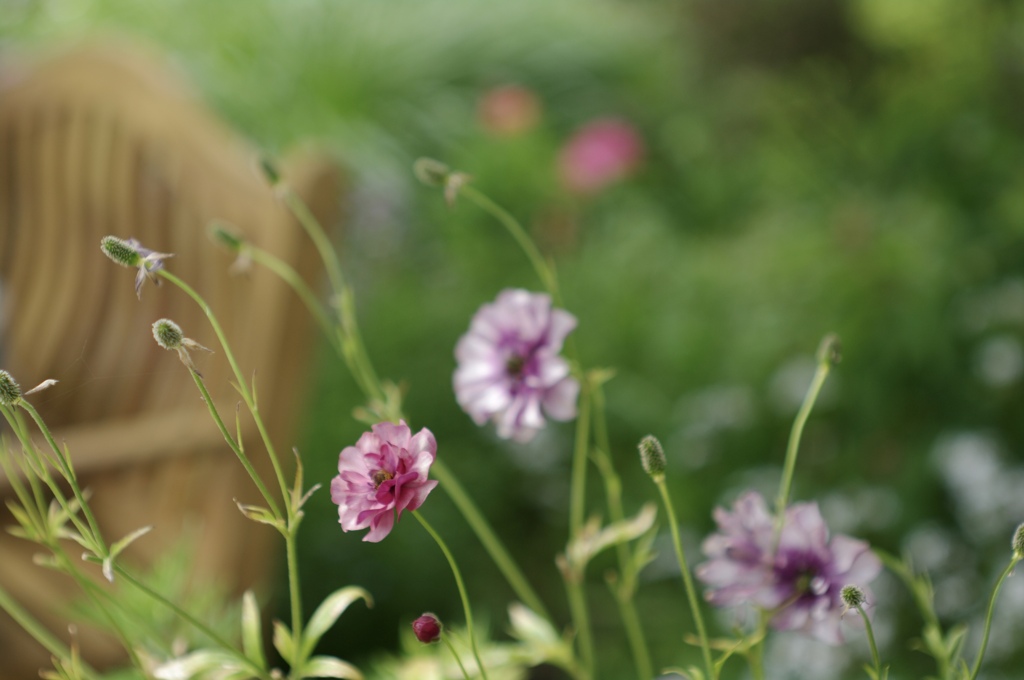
(427, 628)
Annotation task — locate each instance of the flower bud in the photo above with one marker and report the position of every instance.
(168, 334)
(830, 350)
(852, 596)
(269, 170)
(1018, 543)
(10, 391)
(652, 456)
(120, 251)
(223, 235)
(430, 172)
(427, 628)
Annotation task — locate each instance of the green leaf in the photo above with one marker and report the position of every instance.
(252, 631)
(327, 614)
(283, 642)
(329, 667)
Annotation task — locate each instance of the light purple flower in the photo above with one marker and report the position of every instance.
(131, 253)
(801, 581)
(509, 365)
(382, 475)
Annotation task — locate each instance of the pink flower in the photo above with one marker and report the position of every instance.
(510, 367)
(382, 475)
(800, 581)
(508, 110)
(600, 153)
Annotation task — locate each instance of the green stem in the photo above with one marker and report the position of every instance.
(291, 277)
(243, 386)
(448, 644)
(988, 616)
(691, 591)
(789, 468)
(342, 293)
(871, 642)
(577, 508)
(581, 620)
(492, 544)
(69, 473)
(517, 232)
(294, 586)
(235, 447)
(627, 588)
(37, 630)
(462, 589)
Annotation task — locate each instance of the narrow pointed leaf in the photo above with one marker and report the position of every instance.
(118, 547)
(283, 642)
(252, 631)
(328, 612)
(329, 667)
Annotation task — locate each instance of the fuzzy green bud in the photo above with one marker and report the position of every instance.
(430, 172)
(223, 235)
(1018, 543)
(852, 596)
(652, 456)
(168, 334)
(830, 350)
(120, 251)
(10, 391)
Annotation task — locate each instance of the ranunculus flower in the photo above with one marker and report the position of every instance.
(600, 153)
(382, 475)
(802, 579)
(510, 369)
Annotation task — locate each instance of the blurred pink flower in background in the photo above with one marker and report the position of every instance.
(508, 110)
(382, 475)
(510, 367)
(600, 153)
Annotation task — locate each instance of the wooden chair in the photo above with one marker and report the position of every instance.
(104, 141)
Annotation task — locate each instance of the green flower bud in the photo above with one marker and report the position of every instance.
(852, 596)
(120, 251)
(168, 334)
(269, 170)
(652, 456)
(1018, 543)
(430, 172)
(830, 350)
(10, 391)
(226, 237)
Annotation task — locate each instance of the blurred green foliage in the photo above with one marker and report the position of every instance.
(811, 166)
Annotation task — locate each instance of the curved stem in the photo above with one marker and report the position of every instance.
(988, 616)
(871, 642)
(235, 447)
(243, 386)
(492, 544)
(462, 589)
(448, 644)
(789, 467)
(691, 592)
(38, 631)
(627, 588)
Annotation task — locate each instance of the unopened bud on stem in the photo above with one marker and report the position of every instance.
(168, 334)
(852, 596)
(830, 350)
(652, 457)
(120, 251)
(10, 391)
(427, 628)
(269, 170)
(431, 172)
(1018, 543)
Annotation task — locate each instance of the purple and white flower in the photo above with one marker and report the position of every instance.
(509, 367)
(382, 475)
(799, 581)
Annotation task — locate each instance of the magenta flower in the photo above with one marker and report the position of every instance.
(382, 475)
(509, 365)
(801, 581)
(599, 154)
